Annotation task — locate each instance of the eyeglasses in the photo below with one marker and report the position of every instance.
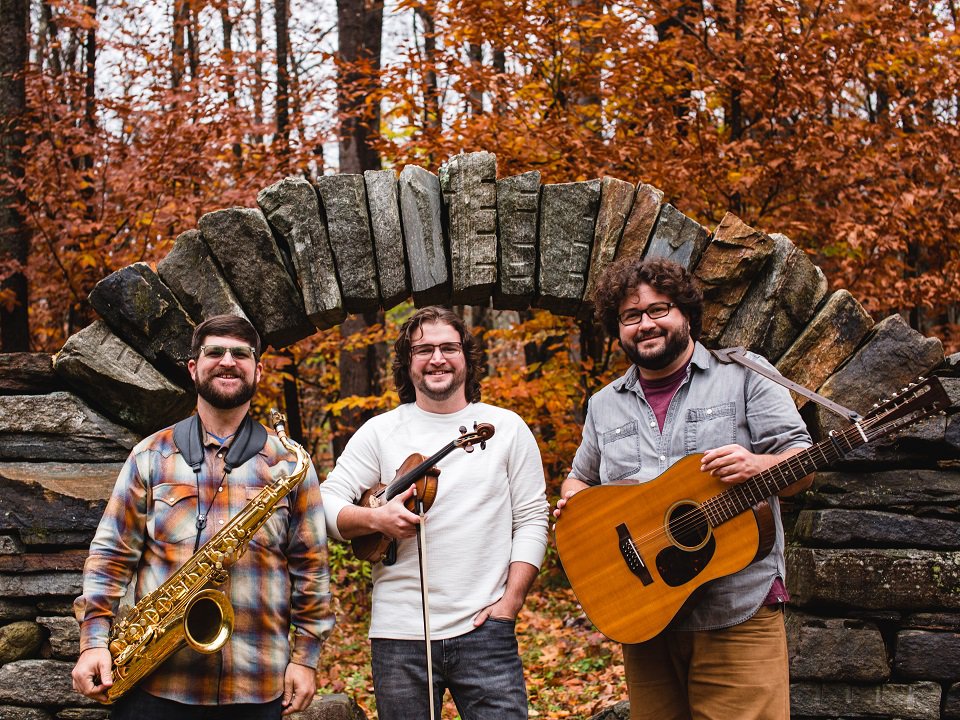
(655, 311)
(239, 352)
(426, 351)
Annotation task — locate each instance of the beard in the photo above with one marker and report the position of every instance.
(455, 381)
(226, 400)
(674, 345)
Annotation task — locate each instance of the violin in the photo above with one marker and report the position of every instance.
(415, 470)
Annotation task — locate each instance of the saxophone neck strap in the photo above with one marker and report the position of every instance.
(739, 355)
(188, 436)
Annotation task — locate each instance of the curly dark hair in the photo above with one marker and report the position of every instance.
(227, 326)
(665, 276)
(401, 351)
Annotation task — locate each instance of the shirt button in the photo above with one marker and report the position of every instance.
(618, 431)
(663, 457)
(709, 411)
(220, 489)
(221, 522)
(653, 423)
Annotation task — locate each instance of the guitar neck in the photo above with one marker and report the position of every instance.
(740, 498)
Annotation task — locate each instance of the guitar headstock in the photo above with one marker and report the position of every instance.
(478, 436)
(923, 397)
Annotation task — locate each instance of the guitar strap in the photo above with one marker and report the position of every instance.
(738, 355)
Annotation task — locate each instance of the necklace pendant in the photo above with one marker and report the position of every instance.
(201, 522)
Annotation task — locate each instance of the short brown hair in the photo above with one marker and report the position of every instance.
(227, 326)
(665, 276)
(401, 351)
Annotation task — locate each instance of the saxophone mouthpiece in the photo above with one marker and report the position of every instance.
(277, 420)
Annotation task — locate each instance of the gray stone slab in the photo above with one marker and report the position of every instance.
(19, 641)
(59, 426)
(293, 211)
(891, 356)
(38, 486)
(469, 186)
(64, 637)
(924, 655)
(11, 610)
(243, 245)
(904, 701)
(194, 277)
(14, 712)
(383, 204)
(344, 199)
(335, 706)
(875, 579)
(616, 201)
(778, 304)
(144, 313)
(26, 373)
(40, 682)
(951, 705)
(835, 650)
(869, 528)
(830, 338)
(932, 493)
(518, 204)
(83, 714)
(728, 265)
(10, 545)
(421, 208)
(641, 222)
(33, 585)
(677, 238)
(119, 381)
(568, 216)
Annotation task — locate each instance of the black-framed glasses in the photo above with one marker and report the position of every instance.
(654, 311)
(239, 352)
(426, 350)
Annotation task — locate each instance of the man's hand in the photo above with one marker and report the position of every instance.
(92, 674)
(520, 577)
(394, 520)
(299, 687)
(571, 486)
(735, 464)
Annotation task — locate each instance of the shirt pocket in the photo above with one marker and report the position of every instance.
(710, 427)
(620, 452)
(174, 516)
(273, 534)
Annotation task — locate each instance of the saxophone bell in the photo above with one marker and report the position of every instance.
(208, 621)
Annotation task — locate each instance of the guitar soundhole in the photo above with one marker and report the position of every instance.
(687, 525)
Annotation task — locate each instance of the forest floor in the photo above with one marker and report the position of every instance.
(572, 671)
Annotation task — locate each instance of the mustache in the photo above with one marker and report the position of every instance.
(652, 334)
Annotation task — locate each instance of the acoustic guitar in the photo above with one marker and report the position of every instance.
(634, 554)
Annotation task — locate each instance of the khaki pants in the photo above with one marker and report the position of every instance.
(738, 673)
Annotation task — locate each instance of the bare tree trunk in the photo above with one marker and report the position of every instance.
(475, 96)
(181, 20)
(360, 28)
(230, 79)
(14, 235)
(283, 83)
(259, 84)
(430, 88)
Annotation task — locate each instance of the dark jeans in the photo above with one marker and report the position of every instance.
(140, 705)
(482, 670)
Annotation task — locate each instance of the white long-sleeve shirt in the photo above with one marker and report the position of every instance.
(490, 510)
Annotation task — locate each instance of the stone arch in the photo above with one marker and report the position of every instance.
(869, 584)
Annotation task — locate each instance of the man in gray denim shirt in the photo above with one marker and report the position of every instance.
(727, 658)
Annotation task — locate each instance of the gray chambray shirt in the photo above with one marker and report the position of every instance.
(718, 404)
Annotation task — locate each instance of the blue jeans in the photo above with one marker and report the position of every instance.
(140, 705)
(482, 670)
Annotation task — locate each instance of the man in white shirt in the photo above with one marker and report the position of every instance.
(485, 531)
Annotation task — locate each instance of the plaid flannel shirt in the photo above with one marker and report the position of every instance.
(148, 531)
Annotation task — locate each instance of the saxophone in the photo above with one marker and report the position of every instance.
(184, 609)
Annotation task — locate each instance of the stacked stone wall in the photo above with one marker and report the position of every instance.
(874, 555)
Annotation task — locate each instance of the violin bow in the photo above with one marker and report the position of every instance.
(425, 595)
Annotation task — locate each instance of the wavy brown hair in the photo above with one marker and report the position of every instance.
(401, 351)
(665, 276)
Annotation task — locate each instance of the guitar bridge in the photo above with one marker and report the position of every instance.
(632, 556)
